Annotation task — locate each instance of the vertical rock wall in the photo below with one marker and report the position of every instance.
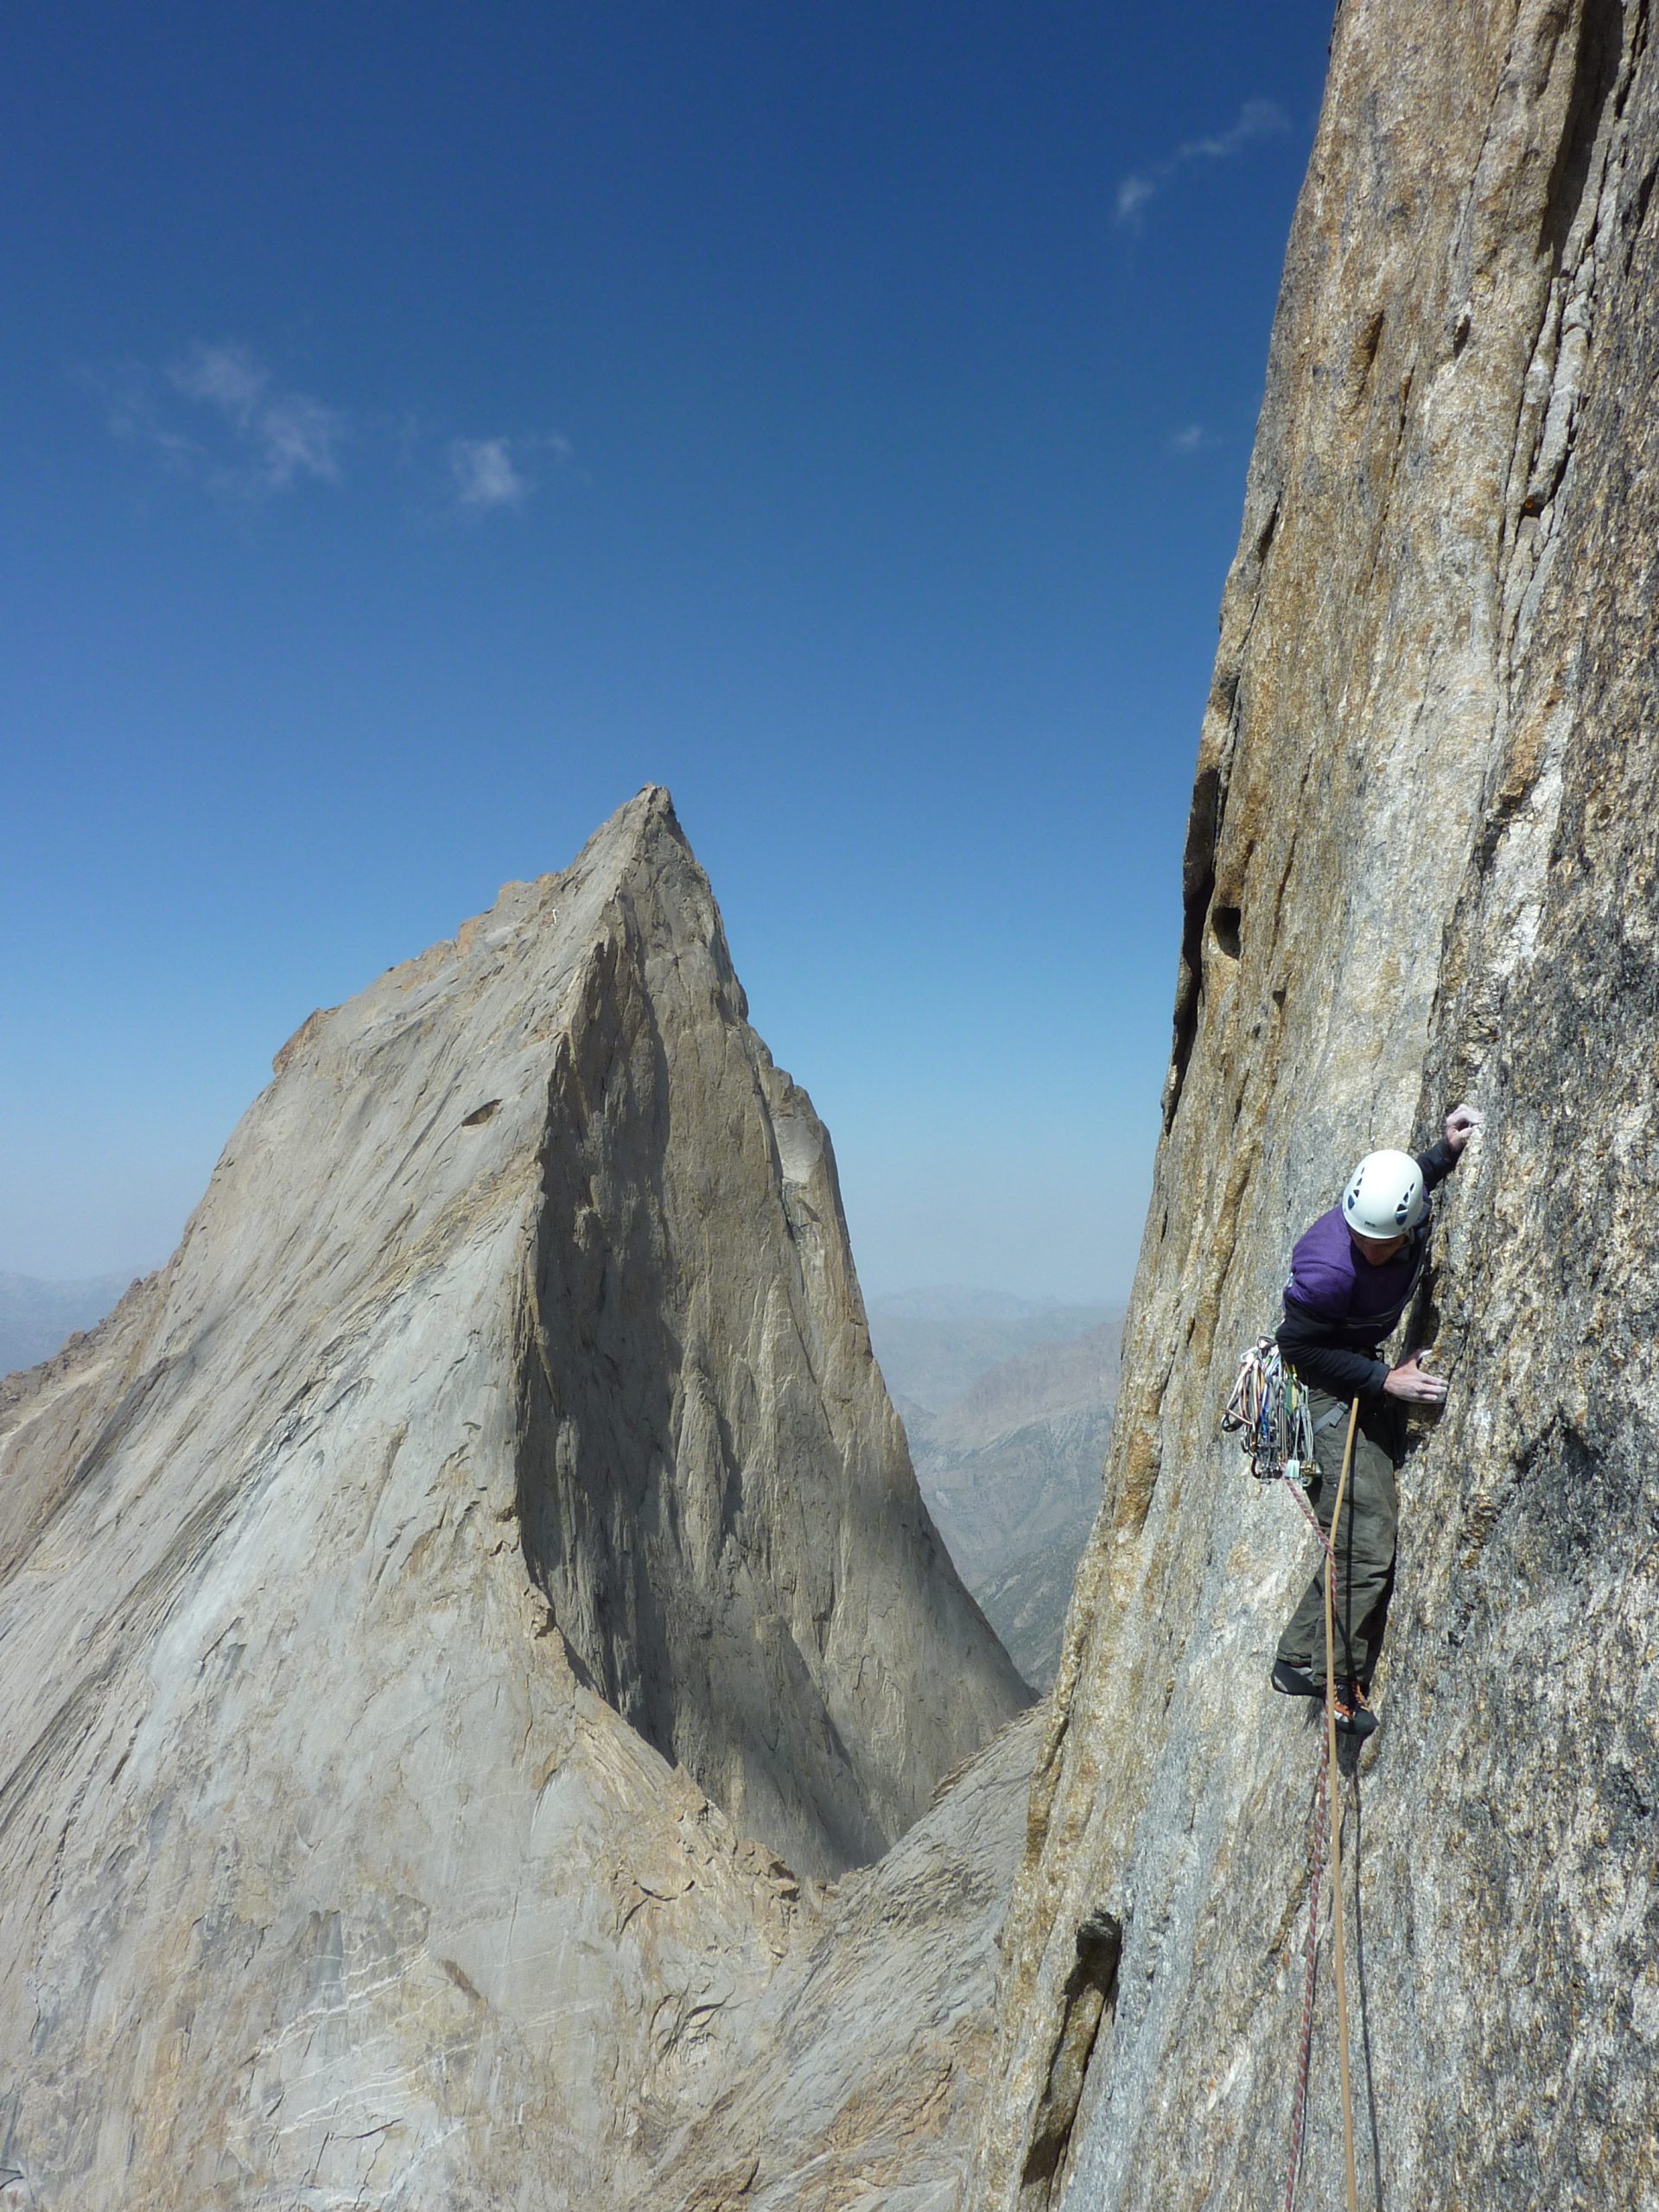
(1421, 864)
(713, 1488)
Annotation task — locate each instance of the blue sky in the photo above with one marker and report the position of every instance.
(430, 425)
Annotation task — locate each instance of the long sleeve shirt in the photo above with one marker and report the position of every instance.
(1339, 1308)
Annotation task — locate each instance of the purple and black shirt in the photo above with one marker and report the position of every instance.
(1338, 1308)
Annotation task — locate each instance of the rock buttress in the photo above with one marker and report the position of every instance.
(1421, 863)
(328, 1875)
(715, 1489)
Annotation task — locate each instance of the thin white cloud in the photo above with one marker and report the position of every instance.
(1192, 438)
(277, 437)
(128, 395)
(298, 437)
(218, 414)
(226, 376)
(489, 473)
(1256, 120)
(1132, 196)
(484, 473)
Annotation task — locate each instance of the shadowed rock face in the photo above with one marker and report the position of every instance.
(428, 1604)
(1421, 864)
(714, 1488)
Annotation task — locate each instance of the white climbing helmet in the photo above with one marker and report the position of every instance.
(1385, 1197)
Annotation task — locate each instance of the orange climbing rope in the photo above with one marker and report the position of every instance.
(1323, 1830)
(1318, 1834)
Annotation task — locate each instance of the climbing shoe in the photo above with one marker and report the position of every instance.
(1354, 1714)
(1295, 1681)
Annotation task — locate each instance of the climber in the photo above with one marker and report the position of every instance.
(1351, 1277)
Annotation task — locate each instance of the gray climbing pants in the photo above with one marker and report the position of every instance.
(1364, 1543)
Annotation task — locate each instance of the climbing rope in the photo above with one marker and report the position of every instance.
(1338, 1957)
(1326, 1834)
(1318, 1840)
(1270, 1412)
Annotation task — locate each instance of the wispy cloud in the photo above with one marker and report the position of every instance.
(298, 437)
(131, 411)
(485, 475)
(226, 376)
(1192, 437)
(1256, 120)
(218, 414)
(1132, 196)
(488, 474)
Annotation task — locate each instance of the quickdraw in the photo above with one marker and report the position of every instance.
(1270, 1413)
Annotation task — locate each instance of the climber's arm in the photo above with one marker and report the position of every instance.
(1304, 1338)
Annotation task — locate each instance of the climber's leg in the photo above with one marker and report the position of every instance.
(1364, 1545)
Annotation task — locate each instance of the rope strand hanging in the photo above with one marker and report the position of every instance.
(1270, 1412)
(1338, 1957)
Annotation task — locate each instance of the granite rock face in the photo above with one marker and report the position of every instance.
(1423, 862)
(855, 2077)
(438, 1610)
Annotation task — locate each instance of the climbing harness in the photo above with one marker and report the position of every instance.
(1270, 1413)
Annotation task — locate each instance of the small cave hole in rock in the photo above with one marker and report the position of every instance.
(1226, 921)
(479, 1113)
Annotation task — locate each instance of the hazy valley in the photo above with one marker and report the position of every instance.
(1007, 1405)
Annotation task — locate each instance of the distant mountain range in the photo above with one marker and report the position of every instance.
(955, 1301)
(1008, 1405)
(37, 1317)
(934, 1344)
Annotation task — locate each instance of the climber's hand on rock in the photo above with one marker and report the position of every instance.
(1460, 1125)
(1409, 1382)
